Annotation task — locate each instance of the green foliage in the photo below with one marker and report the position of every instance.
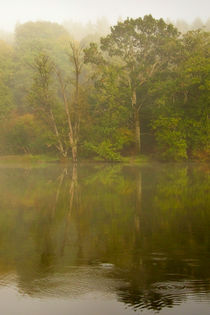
(140, 48)
(143, 75)
(24, 135)
(170, 139)
(6, 80)
(183, 93)
(105, 151)
(108, 127)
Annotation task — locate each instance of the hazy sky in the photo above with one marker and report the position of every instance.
(13, 11)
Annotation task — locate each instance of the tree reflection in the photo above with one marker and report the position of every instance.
(73, 204)
(144, 230)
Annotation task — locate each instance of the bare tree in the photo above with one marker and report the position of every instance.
(73, 105)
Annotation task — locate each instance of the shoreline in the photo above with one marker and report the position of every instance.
(46, 159)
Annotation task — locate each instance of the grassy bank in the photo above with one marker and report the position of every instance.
(29, 158)
(33, 159)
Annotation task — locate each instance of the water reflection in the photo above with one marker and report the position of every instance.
(141, 234)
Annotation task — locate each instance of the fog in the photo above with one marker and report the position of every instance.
(14, 11)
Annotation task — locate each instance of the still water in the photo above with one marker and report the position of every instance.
(104, 239)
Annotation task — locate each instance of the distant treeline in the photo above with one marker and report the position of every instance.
(101, 27)
(141, 86)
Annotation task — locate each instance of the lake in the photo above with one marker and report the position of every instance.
(105, 239)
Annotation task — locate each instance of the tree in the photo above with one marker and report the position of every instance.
(197, 24)
(6, 79)
(73, 106)
(47, 101)
(32, 39)
(194, 85)
(142, 47)
(43, 97)
(181, 98)
(107, 131)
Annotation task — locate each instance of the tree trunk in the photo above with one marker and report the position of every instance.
(72, 135)
(74, 153)
(137, 132)
(60, 145)
(136, 123)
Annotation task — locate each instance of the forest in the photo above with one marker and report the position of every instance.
(138, 88)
